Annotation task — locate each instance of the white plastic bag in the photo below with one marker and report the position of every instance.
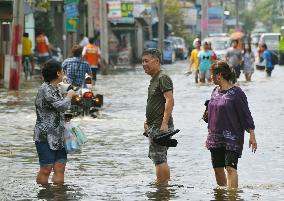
(74, 137)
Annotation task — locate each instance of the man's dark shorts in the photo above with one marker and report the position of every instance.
(157, 153)
(221, 158)
(237, 70)
(94, 72)
(48, 157)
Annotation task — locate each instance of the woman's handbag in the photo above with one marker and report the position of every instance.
(74, 138)
(205, 114)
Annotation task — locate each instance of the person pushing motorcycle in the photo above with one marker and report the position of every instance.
(75, 68)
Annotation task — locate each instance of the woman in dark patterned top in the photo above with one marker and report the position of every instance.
(49, 128)
(228, 119)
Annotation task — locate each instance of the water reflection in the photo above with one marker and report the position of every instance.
(225, 194)
(64, 192)
(161, 192)
(107, 167)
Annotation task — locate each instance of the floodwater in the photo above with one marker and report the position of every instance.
(114, 164)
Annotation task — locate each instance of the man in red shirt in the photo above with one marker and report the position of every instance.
(91, 53)
(42, 47)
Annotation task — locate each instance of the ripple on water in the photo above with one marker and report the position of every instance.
(113, 164)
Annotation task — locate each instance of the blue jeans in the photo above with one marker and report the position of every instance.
(48, 157)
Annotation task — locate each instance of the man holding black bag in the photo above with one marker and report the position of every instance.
(159, 121)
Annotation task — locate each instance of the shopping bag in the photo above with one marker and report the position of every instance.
(71, 144)
(79, 133)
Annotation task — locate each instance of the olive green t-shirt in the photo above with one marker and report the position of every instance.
(155, 108)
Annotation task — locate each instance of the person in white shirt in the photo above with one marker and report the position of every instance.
(83, 40)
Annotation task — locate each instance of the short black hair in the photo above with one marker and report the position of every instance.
(264, 46)
(26, 34)
(91, 40)
(77, 50)
(220, 66)
(153, 52)
(235, 41)
(50, 69)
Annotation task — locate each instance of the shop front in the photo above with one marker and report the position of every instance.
(6, 16)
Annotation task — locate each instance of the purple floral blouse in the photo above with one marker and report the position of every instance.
(228, 117)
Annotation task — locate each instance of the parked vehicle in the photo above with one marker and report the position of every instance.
(86, 103)
(169, 55)
(218, 35)
(179, 46)
(219, 45)
(255, 38)
(272, 42)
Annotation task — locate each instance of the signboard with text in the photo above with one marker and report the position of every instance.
(71, 1)
(71, 10)
(114, 9)
(127, 9)
(215, 19)
(71, 24)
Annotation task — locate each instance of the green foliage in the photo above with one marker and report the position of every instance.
(43, 23)
(189, 38)
(248, 18)
(264, 11)
(174, 16)
(42, 5)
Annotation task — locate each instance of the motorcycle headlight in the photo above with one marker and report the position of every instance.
(78, 99)
(97, 100)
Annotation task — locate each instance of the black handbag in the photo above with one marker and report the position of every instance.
(205, 114)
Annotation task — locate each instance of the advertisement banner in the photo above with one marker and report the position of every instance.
(71, 10)
(114, 9)
(141, 9)
(71, 24)
(215, 19)
(71, 1)
(190, 16)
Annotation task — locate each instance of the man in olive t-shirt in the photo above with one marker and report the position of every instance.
(159, 109)
(234, 58)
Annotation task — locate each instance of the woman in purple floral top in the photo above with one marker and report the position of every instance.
(228, 119)
(49, 128)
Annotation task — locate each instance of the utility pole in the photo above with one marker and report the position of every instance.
(161, 31)
(16, 49)
(104, 36)
(204, 19)
(237, 13)
(90, 21)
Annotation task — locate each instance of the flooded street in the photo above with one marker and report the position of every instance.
(114, 164)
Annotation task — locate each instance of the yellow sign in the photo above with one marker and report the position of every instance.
(71, 24)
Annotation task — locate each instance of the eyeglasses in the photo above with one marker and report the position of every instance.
(204, 57)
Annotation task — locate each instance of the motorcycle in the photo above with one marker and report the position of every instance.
(86, 103)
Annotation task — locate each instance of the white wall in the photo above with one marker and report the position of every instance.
(30, 27)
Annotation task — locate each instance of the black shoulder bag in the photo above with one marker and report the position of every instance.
(205, 114)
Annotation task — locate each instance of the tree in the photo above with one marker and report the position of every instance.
(43, 23)
(174, 16)
(249, 21)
